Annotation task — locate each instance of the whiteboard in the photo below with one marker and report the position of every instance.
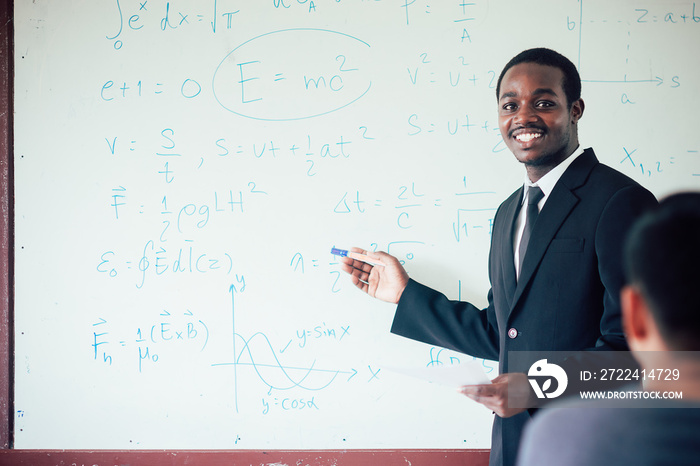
(182, 170)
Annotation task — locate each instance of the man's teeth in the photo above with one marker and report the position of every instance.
(527, 137)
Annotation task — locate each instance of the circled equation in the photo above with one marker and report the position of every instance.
(293, 74)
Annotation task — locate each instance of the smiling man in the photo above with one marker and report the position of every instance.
(536, 118)
(555, 263)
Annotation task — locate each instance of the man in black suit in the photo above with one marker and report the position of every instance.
(555, 260)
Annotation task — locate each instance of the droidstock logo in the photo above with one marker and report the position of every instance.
(546, 372)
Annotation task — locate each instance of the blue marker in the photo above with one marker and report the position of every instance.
(356, 256)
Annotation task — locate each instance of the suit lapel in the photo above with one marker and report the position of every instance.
(559, 205)
(507, 261)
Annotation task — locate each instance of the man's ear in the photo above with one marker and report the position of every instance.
(577, 110)
(635, 316)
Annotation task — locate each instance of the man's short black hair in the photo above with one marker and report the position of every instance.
(547, 57)
(662, 259)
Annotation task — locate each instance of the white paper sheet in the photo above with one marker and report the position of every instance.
(454, 375)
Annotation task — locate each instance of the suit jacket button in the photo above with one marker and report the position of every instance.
(512, 332)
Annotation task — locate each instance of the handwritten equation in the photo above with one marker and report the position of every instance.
(165, 336)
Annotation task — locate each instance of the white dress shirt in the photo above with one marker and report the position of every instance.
(546, 184)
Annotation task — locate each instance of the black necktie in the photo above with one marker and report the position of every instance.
(534, 196)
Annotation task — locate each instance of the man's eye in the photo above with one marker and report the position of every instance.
(545, 104)
(509, 107)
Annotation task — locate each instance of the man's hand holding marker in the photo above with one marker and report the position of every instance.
(378, 274)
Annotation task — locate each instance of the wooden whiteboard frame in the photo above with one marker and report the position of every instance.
(8, 455)
(6, 220)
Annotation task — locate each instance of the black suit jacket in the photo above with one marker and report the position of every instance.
(567, 297)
